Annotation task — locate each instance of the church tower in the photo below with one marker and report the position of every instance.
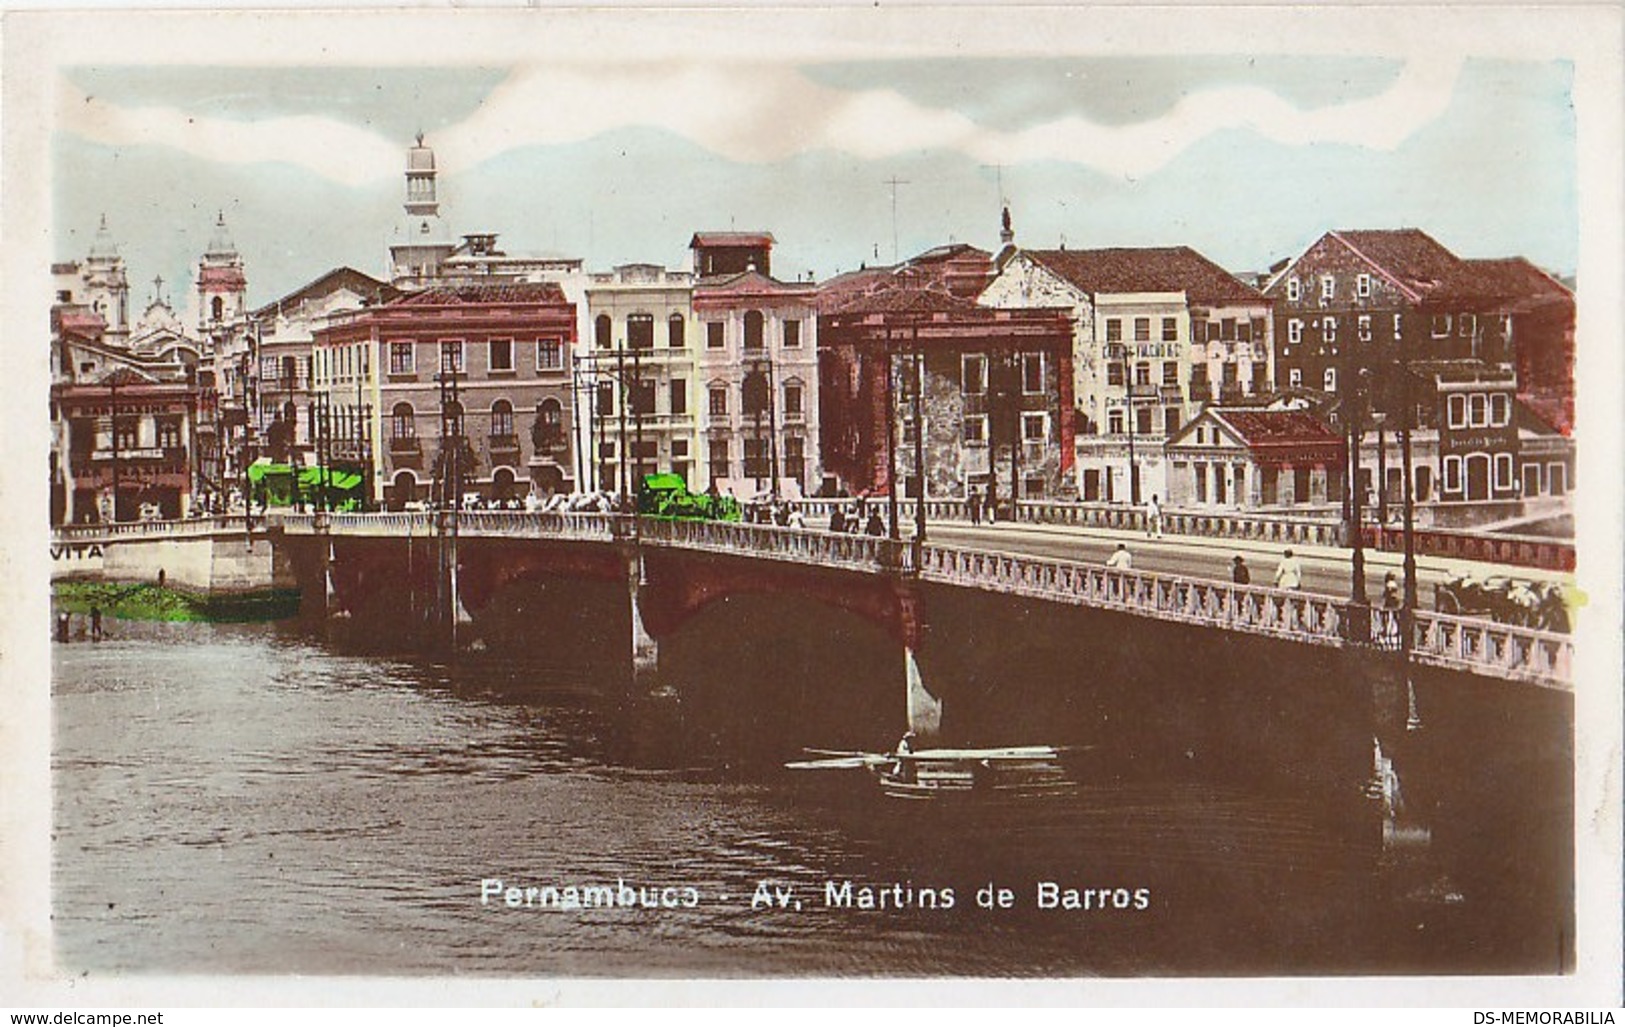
(423, 241)
(222, 286)
(106, 288)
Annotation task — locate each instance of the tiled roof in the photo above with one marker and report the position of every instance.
(731, 239)
(338, 278)
(901, 299)
(1149, 269)
(1276, 427)
(1510, 280)
(507, 292)
(1410, 255)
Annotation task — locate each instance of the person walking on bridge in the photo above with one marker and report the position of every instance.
(1289, 572)
(1153, 518)
(1121, 559)
(1239, 574)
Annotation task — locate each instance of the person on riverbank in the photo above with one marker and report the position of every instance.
(1289, 572)
(95, 623)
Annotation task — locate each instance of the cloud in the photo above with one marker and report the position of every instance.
(764, 112)
(333, 149)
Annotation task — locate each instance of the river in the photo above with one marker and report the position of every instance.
(245, 799)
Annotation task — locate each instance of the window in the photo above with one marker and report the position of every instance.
(713, 335)
(1198, 332)
(1328, 329)
(1457, 411)
(1294, 331)
(792, 401)
(549, 354)
(1441, 325)
(1503, 470)
(792, 334)
(1170, 329)
(1142, 329)
(501, 419)
(451, 419)
(795, 457)
(1142, 373)
(1032, 373)
(1365, 327)
(1294, 377)
(402, 423)
(975, 430)
(1142, 420)
(1114, 373)
(1114, 329)
(268, 369)
(1452, 473)
(1034, 427)
(1328, 287)
(640, 398)
(973, 373)
(1329, 380)
(1244, 330)
(677, 390)
(217, 307)
(1294, 289)
(1227, 329)
(603, 331)
(169, 432)
(1170, 420)
(548, 434)
(756, 458)
(1500, 409)
(675, 335)
(1478, 413)
(719, 458)
(1114, 422)
(679, 447)
(1170, 372)
(719, 400)
(753, 329)
(605, 407)
(451, 357)
(1465, 324)
(501, 354)
(640, 331)
(1362, 286)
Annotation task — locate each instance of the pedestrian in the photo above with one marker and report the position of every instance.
(1121, 559)
(1387, 631)
(63, 626)
(876, 526)
(1239, 574)
(95, 623)
(837, 519)
(974, 503)
(1391, 598)
(797, 519)
(990, 505)
(1289, 572)
(1153, 518)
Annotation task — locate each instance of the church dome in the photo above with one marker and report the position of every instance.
(220, 244)
(102, 247)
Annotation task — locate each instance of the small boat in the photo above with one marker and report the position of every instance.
(1020, 772)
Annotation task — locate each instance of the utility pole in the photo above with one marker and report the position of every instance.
(891, 442)
(919, 441)
(894, 182)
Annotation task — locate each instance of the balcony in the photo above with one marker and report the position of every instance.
(505, 443)
(405, 445)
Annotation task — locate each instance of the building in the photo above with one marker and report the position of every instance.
(284, 333)
(994, 386)
(1157, 333)
(1252, 458)
(486, 364)
(422, 239)
(637, 377)
(124, 424)
(757, 364)
(1541, 312)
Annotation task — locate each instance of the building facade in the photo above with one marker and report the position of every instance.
(757, 370)
(636, 378)
(1229, 458)
(457, 384)
(993, 389)
(1140, 372)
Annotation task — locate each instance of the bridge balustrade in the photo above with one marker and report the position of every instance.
(191, 527)
(797, 545)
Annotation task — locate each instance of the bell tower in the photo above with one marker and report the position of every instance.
(222, 286)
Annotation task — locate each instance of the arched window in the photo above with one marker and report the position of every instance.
(217, 307)
(675, 336)
(402, 423)
(753, 329)
(640, 331)
(754, 394)
(548, 432)
(501, 418)
(602, 328)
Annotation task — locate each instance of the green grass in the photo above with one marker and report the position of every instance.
(148, 601)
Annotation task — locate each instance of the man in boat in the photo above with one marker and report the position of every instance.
(902, 769)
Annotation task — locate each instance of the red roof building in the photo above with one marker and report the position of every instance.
(1251, 458)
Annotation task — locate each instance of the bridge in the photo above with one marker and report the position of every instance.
(1539, 658)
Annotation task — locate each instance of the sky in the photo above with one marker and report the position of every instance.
(1248, 159)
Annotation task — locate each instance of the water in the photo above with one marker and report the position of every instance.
(239, 799)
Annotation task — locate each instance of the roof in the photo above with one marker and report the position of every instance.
(1462, 372)
(731, 239)
(330, 282)
(1258, 427)
(747, 282)
(1148, 269)
(901, 299)
(1409, 255)
(1512, 280)
(506, 292)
